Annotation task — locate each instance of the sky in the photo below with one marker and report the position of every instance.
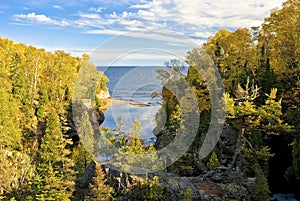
(126, 32)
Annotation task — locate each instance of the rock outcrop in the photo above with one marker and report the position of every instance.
(218, 184)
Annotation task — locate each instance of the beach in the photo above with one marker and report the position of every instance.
(109, 102)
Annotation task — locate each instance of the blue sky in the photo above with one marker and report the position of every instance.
(157, 30)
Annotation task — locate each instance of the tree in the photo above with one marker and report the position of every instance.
(254, 124)
(262, 188)
(86, 133)
(98, 190)
(151, 189)
(213, 161)
(135, 154)
(281, 38)
(55, 174)
(10, 133)
(43, 101)
(235, 55)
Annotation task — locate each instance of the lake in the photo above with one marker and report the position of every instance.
(133, 84)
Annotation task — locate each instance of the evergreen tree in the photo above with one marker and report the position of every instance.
(86, 133)
(98, 190)
(55, 175)
(151, 189)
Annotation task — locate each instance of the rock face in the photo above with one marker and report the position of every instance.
(96, 118)
(218, 184)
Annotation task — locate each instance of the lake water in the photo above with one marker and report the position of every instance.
(133, 84)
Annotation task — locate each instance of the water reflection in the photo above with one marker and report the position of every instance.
(145, 115)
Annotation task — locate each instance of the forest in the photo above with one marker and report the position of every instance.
(258, 153)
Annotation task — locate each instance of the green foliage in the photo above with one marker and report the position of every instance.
(262, 188)
(234, 53)
(102, 83)
(213, 161)
(10, 133)
(183, 166)
(255, 123)
(86, 133)
(175, 114)
(133, 152)
(37, 86)
(186, 195)
(151, 189)
(98, 190)
(81, 158)
(55, 174)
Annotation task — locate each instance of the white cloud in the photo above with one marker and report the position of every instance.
(194, 18)
(109, 32)
(140, 6)
(57, 7)
(197, 19)
(40, 19)
(76, 52)
(97, 10)
(89, 15)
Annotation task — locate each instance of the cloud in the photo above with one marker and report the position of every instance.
(109, 32)
(57, 7)
(76, 52)
(196, 19)
(39, 19)
(140, 6)
(97, 10)
(89, 15)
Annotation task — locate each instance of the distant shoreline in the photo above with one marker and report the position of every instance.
(109, 102)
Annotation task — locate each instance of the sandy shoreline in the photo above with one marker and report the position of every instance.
(109, 102)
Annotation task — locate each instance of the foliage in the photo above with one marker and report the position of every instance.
(35, 98)
(234, 54)
(151, 189)
(55, 175)
(133, 153)
(98, 190)
(38, 161)
(254, 123)
(213, 161)
(186, 194)
(86, 133)
(262, 188)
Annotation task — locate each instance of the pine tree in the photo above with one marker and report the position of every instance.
(55, 174)
(151, 189)
(98, 190)
(86, 135)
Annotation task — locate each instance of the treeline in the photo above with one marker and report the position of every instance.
(260, 70)
(39, 159)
